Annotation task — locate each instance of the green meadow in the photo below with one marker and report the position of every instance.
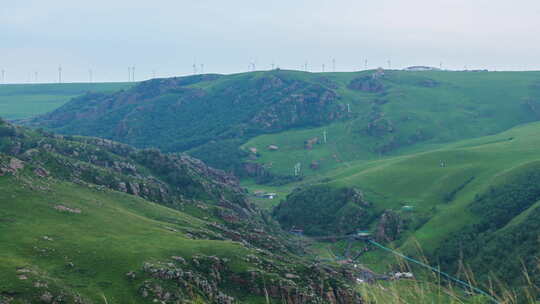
(20, 101)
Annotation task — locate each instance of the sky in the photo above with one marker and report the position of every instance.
(163, 38)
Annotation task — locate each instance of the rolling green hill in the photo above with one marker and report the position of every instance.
(87, 220)
(429, 153)
(365, 115)
(21, 101)
(474, 202)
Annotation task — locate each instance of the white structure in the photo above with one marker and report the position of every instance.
(421, 68)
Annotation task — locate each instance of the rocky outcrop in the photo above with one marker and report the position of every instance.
(389, 227)
(367, 84)
(308, 144)
(208, 276)
(10, 166)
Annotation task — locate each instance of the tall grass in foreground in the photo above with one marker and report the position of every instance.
(434, 288)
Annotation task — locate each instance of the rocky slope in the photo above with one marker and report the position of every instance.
(178, 114)
(63, 196)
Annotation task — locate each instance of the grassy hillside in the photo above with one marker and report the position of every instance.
(87, 220)
(90, 253)
(20, 101)
(365, 115)
(477, 196)
(415, 112)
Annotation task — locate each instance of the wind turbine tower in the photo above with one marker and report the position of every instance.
(365, 64)
(36, 76)
(90, 75)
(202, 68)
(3, 76)
(333, 64)
(133, 72)
(323, 67)
(59, 74)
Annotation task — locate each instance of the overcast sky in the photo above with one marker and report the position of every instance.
(167, 37)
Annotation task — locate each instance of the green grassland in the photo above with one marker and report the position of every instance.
(20, 101)
(90, 253)
(457, 106)
(418, 180)
(211, 116)
(446, 205)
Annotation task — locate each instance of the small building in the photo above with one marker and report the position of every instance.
(264, 194)
(273, 148)
(258, 193)
(407, 208)
(270, 195)
(421, 68)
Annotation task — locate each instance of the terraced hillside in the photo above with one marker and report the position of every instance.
(21, 101)
(87, 220)
(364, 115)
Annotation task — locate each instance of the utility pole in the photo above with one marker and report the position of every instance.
(297, 168)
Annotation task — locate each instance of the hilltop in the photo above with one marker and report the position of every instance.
(88, 220)
(364, 115)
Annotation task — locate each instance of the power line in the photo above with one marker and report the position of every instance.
(444, 274)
